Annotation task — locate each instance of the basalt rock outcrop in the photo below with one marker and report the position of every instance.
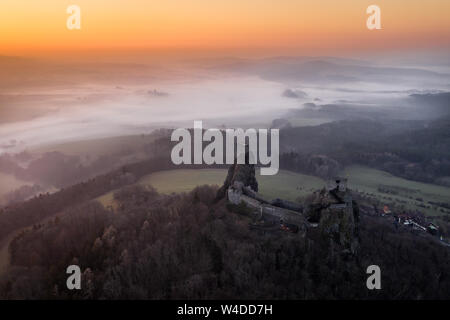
(242, 173)
(331, 210)
(336, 216)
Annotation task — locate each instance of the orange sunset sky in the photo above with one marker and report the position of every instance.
(39, 26)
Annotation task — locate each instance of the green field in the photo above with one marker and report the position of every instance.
(292, 186)
(392, 189)
(285, 184)
(183, 180)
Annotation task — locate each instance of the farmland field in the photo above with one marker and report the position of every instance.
(287, 185)
(392, 189)
(292, 186)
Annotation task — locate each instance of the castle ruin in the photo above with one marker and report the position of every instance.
(331, 210)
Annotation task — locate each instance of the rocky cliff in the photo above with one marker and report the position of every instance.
(244, 173)
(337, 218)
(331, 209)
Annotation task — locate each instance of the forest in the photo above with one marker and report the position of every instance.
(186, 246)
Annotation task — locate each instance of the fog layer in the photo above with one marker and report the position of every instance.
(48, 103)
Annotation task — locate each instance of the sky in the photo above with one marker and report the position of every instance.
(43, 100)
(312, 27)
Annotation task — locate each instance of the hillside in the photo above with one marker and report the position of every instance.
(185, 246)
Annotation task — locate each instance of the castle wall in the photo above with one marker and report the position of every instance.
(266, 210)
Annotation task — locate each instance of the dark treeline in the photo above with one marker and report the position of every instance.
(58, 170)
(44, 205)
(185, 246)
(412, 149)
(26, 213)
(55, 168)
(415, 150)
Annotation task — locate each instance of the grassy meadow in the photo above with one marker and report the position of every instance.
(392, 189)
(294, 186)
(287, 185)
